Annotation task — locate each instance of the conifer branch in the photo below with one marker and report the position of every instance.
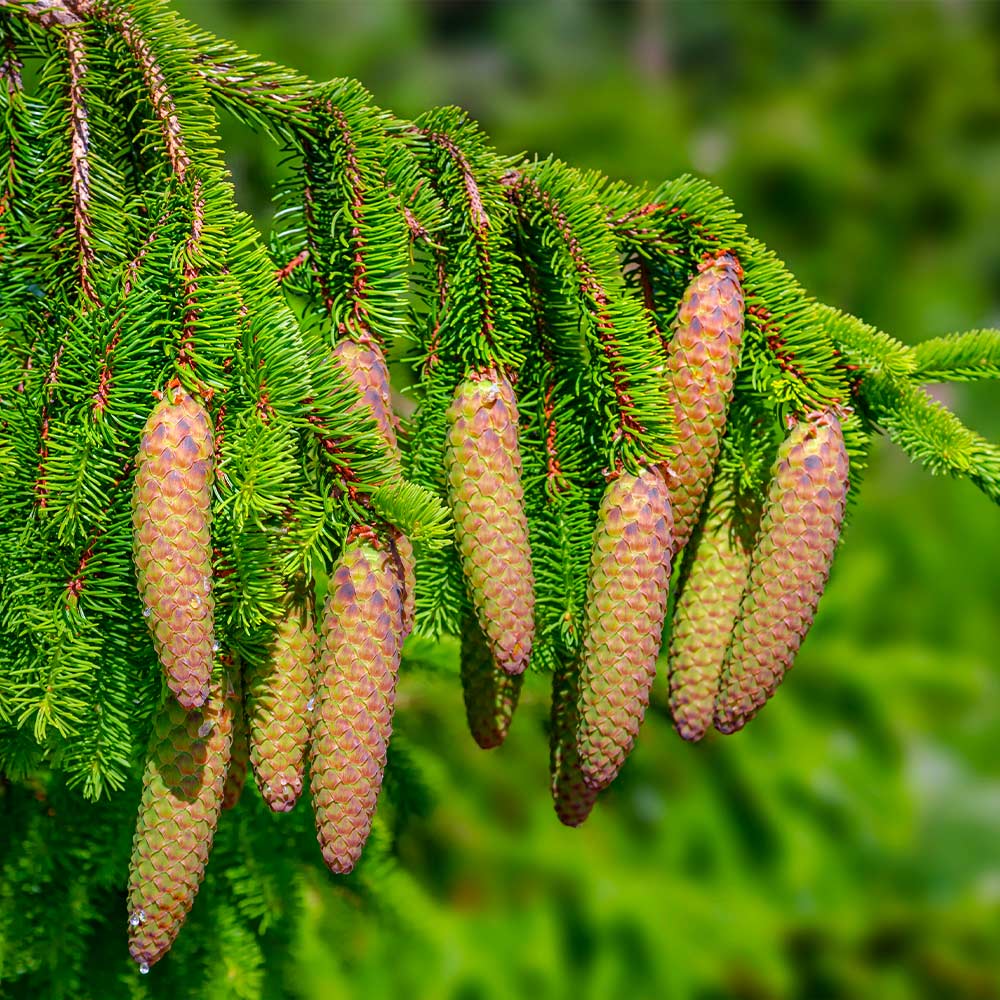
(960, 357)
(80, 160)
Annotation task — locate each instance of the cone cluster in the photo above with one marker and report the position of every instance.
(326, 691)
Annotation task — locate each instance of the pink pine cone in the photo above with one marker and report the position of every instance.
(572, 797)
(360, 644)
(182, 791)
(789, 567)
(490, 694)
(626, 604)
(705, 614)
(702, 359)
(483, 465)
(172, 544)
(365, 366)
(279, 693)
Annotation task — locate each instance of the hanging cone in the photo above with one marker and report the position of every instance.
(359, 647)
(702, 359)
(483, 465)
(626, 604)
(172, 545)
(239, 755)
(181, 801)
(789, 566)
(279, 709)
(705, 612)
(572, 797)
(490, 693)
(364, 364)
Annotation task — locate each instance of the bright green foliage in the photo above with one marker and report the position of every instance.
(125, 266)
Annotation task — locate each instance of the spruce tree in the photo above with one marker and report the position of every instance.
(197, 436)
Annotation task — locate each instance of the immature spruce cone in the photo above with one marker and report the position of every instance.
(171, 518)
(789, 566)
(279, 696)
(702, 358)
(490, 693)
(359, 660)
(626, 604)
(239, 754)
(483, 464)
(718, 563)
(181, 800)
(572, 797)
(364, 365)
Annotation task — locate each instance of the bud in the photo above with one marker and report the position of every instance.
(572, 797)
(623, 624)
(483, 465)
(789, 566)
(181, 801)
(172, 545)
(360, 644)
(702, 359)
(279, 692)
(705, 612)
(490, 693)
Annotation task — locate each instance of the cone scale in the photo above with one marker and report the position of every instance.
(626, 604)
(279, 697)
(483, 466)
(789, 566)
(702, 358)
(360, 642)
(172, 545)
(182, 794)
(490, 694)
(705, 614)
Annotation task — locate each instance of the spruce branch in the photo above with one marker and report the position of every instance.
(959, 357)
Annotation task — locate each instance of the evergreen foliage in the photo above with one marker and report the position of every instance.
(127, 271)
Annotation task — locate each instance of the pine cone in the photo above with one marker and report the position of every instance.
(572, 797)
(171, 519)
(359, 661)
(279, 696)
(365, 366)
(626, 604)
(483, 465)
(490, 693)
(181, 800)
(702, 359)
(239, 754)
(789, 566)
(705, 612)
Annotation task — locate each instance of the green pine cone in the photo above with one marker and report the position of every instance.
(626, 604)
(789, 566)
(491, 694)
(483, 465)
(702, 359)
(279, 707)
(239, 754)
(360, 643)
(706, 609)
(366, 367)
(172, 543)
(181, 801)
(572, 797)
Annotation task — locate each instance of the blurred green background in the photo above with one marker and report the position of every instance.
(848, 843)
